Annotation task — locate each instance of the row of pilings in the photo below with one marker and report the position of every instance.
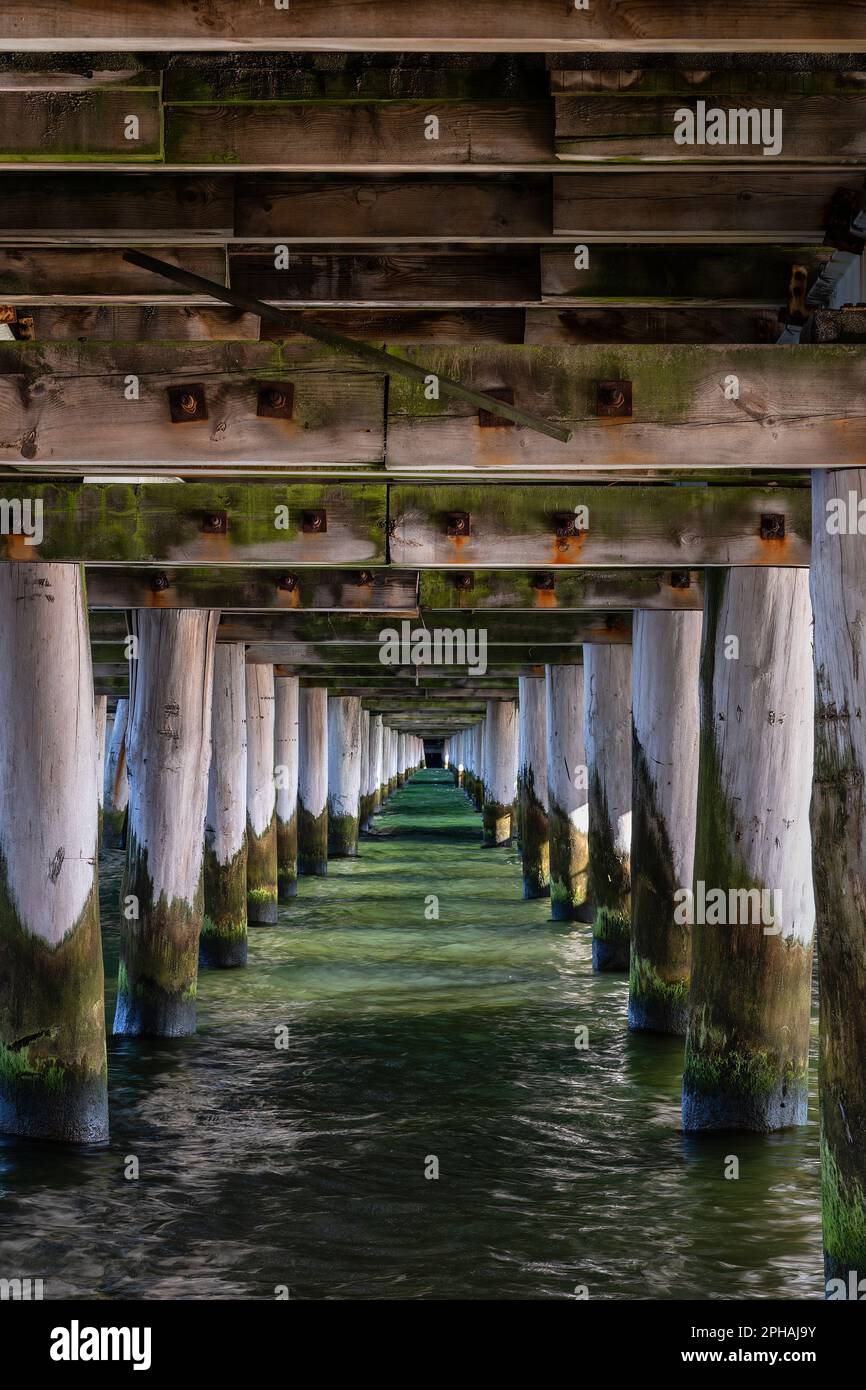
(696, 753)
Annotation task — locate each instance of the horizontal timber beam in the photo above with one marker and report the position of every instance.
(455, 25)
(550, 590)
(328, 590)
(500, 628)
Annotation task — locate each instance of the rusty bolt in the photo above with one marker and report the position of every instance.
(215, 524)
(465, 581)
(681, 579)
(613, 622)
(458, 524)
(565, 525)
(160, 582)
(613, 398)
(8, 313)
(288, 583)
(314, 522)
(772, 526)
(544, 581)
(186, 403)
(365, 578)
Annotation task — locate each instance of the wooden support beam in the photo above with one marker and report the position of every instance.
(499, 629)
(552, 590)
(84, 127)
(96, 275)
(456, 25)
(200, 524)
(718, 205)
(746, 407)
(530, 526)
(365, 655)
(280, 590)
(223, 941)
(558, 327)
(61, 208)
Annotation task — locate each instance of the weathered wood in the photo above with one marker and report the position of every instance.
(567, 783)
(86, 421)
(712, 205)
(747, 1048)
(500, 771)
(544, 591)
(459, 25)
(607, 736)
(453, 629)
(760, 407)
(286, 776)
(374, 763)
(665, 671)
(223, 941)
(363, 800)
(430, 278)
(364, 657)
(155, 322)
(98, 275)
(100, 714)
(86, 127)
(328, 590)
(655, 275)
(674, 325)
(819, 129)
(168, 752)
(53, 1071)
(109, 207)
(261, 797)
(164, 523)
(344, 775)
(339, 136)
(313, 781)
(838, 588)
(513, 527)
(419, 208)
(532, 789)
(116, 784)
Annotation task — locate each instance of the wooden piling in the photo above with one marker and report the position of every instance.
(100, 715)
(286, 694)
(374, 783)
(567, 782)
(168, 754)
(53, 1078)
(746, 1058)
(313, 781)
(261, 797)
(607, 735)
(116, 782)
(838, 580)
(344, 775)
(532, 788)
(500, 771)
(665, 673)
(223, 941)
(363, 798)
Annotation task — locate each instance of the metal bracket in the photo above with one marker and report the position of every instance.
(458, 524)
(772, 526)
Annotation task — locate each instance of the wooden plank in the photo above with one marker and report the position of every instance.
(113, 207)
(164, 523)
(334, 654)
(433, 277)
(659, 526)
(426, 209)
(711, 79)
(79, 127)
(87, 421)
(655, 275)
(714, 205)
(361, 591)
(116, 70)
(558, 591)
(506, 629)
(136, 323)
(793, 410)
(97, 275)
(341, 135)
(821, 129)
(485, 25)
(664, 324)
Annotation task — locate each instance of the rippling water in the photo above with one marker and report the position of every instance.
(409, 1038)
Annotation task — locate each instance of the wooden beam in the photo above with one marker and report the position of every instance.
(198, 523)
(499, 629)
(365, 655)
(84, 127)
(762, 408)
(113, 207)
(697, 205)
(551, 590)
(280, 590)
(827, 128)
(458, 25)
(518, 527)
(99, 275)
(663, 324)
